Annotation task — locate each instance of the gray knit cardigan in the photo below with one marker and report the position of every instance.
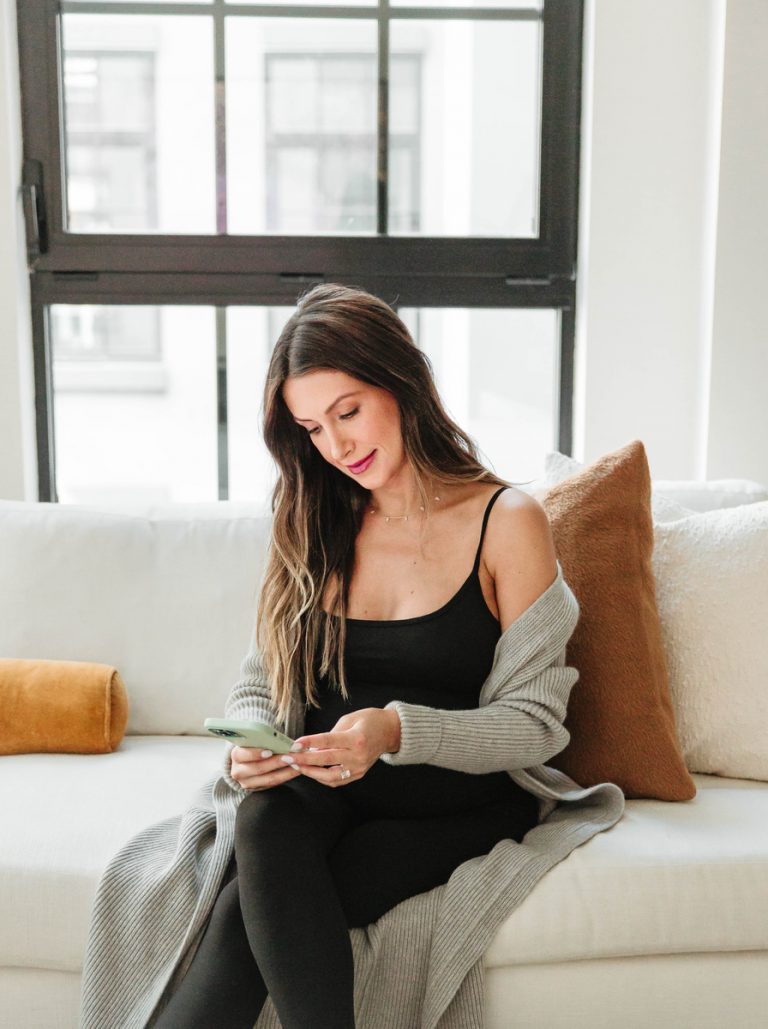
(420, 966)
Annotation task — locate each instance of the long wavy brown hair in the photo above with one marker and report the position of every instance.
(317, 511)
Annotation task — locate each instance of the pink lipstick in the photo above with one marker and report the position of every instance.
(361, 466)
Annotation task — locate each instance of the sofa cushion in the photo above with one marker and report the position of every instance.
(711, 494)
(620, 714)
(70, 813)
(168, 598)
(60, 707)
(666, 878)
(711, 571)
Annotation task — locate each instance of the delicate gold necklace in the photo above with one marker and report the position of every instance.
(388, 518)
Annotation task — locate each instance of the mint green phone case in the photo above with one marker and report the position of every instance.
(249, 734)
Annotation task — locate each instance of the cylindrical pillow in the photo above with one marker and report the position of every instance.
(60, 707)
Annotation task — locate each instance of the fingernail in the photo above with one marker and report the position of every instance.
(287, 758)
(266, 753)
(295, 768)
(296, 747)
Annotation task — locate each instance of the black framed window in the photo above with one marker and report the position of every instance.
(110, 131)
(192, 165)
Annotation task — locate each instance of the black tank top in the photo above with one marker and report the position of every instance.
(440, 659)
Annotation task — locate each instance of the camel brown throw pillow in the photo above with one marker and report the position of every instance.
(60, 707)
(620, 714)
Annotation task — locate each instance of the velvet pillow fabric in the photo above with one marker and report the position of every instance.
(60, 707)
(620, 714)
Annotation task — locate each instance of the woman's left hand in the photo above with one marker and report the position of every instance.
(356, 742)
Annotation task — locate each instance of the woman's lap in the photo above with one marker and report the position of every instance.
(313, 841)
(375, 862)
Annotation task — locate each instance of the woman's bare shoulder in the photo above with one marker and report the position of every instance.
(519, 553)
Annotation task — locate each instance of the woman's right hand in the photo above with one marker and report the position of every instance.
(253, 771)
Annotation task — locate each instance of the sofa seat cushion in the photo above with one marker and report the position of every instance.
(64, 816)
(669, 877)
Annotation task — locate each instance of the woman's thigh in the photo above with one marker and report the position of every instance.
(383, 861)
(284, 816)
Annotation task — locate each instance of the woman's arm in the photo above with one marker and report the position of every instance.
(522, 727)
(249, 698)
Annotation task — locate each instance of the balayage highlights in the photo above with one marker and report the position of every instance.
(317, 510)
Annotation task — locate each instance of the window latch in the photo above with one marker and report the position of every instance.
(33, 202)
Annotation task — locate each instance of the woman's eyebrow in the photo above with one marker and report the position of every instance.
(331, 406)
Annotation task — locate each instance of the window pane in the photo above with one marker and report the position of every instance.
(464, 117)
(301, 125)
(251, 335)
(139, 127)
(497, 372)
(134, 403)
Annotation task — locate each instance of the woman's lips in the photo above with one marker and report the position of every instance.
(362, 465)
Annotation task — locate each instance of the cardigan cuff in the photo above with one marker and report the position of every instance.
(420, 733)
(227, 774)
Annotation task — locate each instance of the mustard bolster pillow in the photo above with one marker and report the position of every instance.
(60, 707)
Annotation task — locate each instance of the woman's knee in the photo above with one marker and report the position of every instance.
(266, 815)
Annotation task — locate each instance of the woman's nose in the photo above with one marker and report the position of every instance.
(339, 445)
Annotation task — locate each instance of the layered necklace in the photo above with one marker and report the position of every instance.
(389, 518)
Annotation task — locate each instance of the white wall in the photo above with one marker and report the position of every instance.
(650, 142)
(670, 347)
(18, 464)
(671, 341)
(738, 402)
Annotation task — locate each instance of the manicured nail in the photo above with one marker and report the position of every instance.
(296, 747)
(295, 768)
(266, 753)
(287, 758)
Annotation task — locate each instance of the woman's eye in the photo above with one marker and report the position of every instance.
(349, 414)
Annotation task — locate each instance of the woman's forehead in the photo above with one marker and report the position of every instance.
(318, 389)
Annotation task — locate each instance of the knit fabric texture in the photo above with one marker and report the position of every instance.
(420, 964)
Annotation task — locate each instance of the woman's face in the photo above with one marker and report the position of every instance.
(347, 430)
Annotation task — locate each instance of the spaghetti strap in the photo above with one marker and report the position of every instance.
(489, 505)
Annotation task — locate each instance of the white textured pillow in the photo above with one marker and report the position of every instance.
(709, 494)
(711, 574)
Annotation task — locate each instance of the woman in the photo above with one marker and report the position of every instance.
(397, 562)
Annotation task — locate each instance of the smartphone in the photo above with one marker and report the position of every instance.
(249, 734)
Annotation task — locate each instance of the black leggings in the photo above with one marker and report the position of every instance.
(310, 863)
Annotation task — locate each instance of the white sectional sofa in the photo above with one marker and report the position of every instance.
(662, 921)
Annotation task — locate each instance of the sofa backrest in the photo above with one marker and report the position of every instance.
(167, 597)
(166, 593)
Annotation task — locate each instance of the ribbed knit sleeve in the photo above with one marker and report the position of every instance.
(523, 702)
(249, 699)
(518, 730)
